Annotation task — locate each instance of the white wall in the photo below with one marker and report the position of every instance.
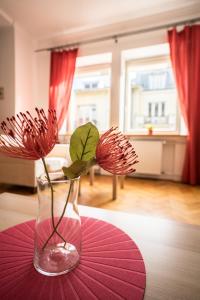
(7, 77)
(17, 71)
(169, 152)
(25, 81)
(42, 75)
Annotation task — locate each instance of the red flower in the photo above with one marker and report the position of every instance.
(27, 137)
(115, 154)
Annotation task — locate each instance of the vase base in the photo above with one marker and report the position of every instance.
(57, 259)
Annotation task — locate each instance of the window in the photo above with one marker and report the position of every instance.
(86, 113)
(90, 96)
(151, 95)
(90, 100)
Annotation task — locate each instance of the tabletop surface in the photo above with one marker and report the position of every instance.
(171, 250)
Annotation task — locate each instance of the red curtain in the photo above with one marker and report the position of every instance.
(185, 56)
(61, 80)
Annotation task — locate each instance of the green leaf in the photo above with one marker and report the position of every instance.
(83, 142)
(78, 168)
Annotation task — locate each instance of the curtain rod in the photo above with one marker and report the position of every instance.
(115, 37)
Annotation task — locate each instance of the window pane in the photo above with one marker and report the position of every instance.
(90, 100)
(151, 96)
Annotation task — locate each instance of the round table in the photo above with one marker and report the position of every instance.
(111, 266)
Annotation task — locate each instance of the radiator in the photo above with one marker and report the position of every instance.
(149, 156)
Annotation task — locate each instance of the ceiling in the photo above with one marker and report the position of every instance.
(43, 18)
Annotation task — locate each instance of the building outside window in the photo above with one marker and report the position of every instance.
(151, 96)
(90, 96)
(90, 100)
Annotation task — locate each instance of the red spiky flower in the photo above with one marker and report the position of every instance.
(27, 137)
(115, 154)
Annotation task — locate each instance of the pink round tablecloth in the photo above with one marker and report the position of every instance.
(111, 266)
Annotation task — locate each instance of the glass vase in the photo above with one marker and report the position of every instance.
(57, 245)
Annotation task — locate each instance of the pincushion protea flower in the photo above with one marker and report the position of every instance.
(31, 138)
(27, 137)
(115, 154)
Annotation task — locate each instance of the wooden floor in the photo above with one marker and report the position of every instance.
(166, 199)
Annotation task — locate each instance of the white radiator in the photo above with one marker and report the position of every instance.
(149, 156)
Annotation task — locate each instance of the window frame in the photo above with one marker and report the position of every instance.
(131, 63)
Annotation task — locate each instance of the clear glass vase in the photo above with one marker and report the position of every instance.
(57, 246)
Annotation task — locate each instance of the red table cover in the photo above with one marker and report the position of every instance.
(111, 266)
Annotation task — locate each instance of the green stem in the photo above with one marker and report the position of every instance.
(61, 217)
(52, 195)
(52, 202)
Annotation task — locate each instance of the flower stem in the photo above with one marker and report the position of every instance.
(52, 195)
(61, 217)
(52, 204)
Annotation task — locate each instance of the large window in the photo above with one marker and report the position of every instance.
(90, 98)
(149, 89)
(151, 97)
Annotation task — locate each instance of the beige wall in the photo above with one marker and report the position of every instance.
(100, 98)
(17, 75)
(25, 93)
(42, 79)
(140, 108)
(7, 75)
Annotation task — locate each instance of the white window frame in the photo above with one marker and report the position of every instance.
(127, 114)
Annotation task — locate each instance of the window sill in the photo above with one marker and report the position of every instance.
(154, 134)
(158, 137)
